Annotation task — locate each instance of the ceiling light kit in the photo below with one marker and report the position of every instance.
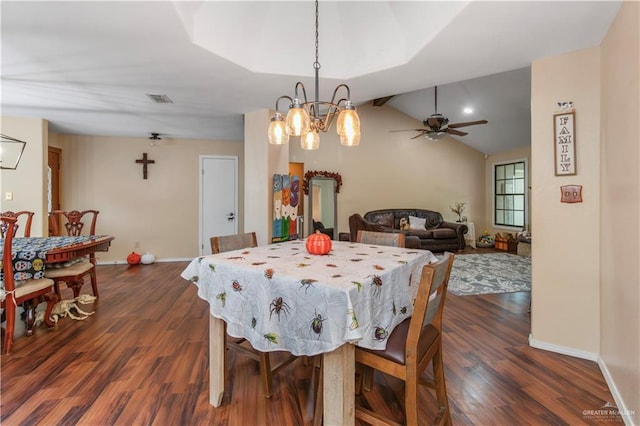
(155, 139)
(305, 119)
(437, 125)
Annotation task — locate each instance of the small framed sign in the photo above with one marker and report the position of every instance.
(564, 141)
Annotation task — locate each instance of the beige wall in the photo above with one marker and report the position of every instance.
(28, 183)
(565, 248)
(391, 170)
(161, 212)
(585, 256)
(620, 207)
(262, 161)
(502, 157)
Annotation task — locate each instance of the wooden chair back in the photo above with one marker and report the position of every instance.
(429, 304)
(27, 223)
(224, 243)
(74, 224)
(32, 289)
(380, 238)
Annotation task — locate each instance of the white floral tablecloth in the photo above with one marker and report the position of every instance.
(280, 297)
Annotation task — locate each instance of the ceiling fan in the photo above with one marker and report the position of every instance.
(437, 125)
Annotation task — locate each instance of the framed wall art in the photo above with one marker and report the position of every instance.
(564, 143)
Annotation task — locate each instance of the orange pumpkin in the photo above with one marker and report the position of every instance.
(318, 243)
(133, 258)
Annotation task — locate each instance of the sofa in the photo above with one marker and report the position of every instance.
(437, 235)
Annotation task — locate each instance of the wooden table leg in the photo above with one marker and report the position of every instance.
(339, 386)
(216, 361)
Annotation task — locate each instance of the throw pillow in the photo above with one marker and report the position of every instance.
(417, 223)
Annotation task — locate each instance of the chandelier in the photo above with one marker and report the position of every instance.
(11, 150)
(308, 118)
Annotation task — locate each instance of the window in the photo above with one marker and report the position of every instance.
(510, 195)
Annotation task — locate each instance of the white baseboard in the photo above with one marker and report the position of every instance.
(591, 356)
(168, 259)
(626, 414)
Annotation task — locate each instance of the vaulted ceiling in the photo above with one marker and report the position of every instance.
(87, 67)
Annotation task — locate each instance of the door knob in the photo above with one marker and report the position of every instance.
(230, 217)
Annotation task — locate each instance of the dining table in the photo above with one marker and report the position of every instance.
(282, 298)
(31, 256)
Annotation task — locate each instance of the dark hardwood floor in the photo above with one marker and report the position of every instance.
(142, 359)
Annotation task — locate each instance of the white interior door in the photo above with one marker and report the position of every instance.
(218, 198)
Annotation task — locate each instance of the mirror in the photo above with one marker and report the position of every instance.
(322, 189)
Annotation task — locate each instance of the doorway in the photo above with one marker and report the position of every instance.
(218, 198)
(54, 161)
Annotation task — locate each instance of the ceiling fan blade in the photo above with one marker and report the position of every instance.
(407, 130)
(422, 132)
(468, 123)
(457, 132)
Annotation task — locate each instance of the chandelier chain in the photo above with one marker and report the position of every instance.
(316, 64)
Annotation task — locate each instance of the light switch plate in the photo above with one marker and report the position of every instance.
(8, 196)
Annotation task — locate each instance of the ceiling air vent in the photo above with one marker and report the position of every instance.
(160, 99)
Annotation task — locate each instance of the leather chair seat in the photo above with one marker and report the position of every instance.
(396, 343)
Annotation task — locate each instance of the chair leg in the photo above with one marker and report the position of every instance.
(56, 287)
(411, 400)
(318, 406)
(367, 375)
(29, 307)
(265, 374)
(10, 310)
(76, 286)
(94, 282)
(51, 299)
(444, 413)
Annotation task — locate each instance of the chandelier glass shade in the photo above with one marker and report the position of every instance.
(310, 140)
(277, 130)
(11, 150)
(307, 119)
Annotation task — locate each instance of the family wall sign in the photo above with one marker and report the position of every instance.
(564, 131)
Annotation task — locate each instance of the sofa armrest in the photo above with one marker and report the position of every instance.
(460, 228)
(357, 222)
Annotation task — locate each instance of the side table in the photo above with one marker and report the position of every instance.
(470, 236)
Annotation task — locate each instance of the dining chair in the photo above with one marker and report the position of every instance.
(220, 244)
(413, 345)
(29, 293)
(224, 243)
(73, 273)
(27, 225)
(380, 238)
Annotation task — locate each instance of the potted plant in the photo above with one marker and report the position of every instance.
(458, 209)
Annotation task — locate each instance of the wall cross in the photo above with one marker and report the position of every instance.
(144, 161)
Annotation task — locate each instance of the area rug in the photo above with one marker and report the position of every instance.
(490, 273)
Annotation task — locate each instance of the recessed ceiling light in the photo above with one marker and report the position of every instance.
(468, 110)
